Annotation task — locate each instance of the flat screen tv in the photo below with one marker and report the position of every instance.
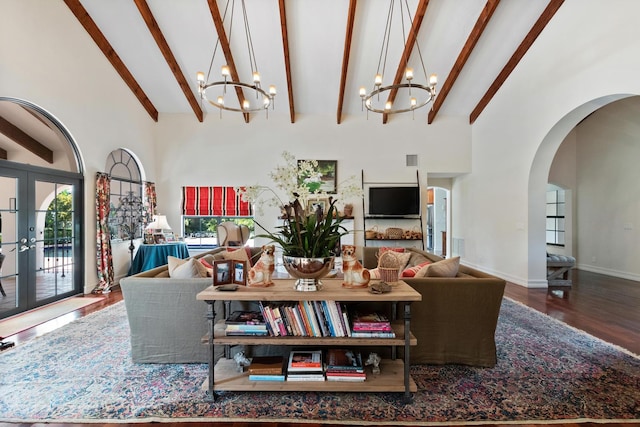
(394, 201)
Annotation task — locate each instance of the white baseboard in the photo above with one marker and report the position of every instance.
(609, 272)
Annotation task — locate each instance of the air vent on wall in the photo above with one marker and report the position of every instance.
(412, 160)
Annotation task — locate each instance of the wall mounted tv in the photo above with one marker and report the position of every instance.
(394, 201)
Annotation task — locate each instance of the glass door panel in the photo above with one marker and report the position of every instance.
(9, 278)
(54, 244)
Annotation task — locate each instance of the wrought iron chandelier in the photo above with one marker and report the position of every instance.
(415, 95)
(244, 101)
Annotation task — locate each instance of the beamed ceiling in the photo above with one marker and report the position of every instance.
(318, 53)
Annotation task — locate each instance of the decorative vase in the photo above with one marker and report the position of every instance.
(307, 271)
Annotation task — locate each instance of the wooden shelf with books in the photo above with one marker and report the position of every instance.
(390, 379)
(394, 373)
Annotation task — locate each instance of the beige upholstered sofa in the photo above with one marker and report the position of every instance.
(454, 323)
(456, 320)
(167, 322)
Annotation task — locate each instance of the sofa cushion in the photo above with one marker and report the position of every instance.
(239, 254)
(411, 270)
(185, 268)
(445, 268)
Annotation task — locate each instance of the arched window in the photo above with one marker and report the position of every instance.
(126, 183)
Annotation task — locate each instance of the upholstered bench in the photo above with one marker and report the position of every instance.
(559, 269)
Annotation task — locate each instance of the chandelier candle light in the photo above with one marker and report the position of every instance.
(244, 103)
(418, 95)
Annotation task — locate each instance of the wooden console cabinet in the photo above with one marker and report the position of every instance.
(394, 376)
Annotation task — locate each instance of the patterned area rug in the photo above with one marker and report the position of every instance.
(546, 372)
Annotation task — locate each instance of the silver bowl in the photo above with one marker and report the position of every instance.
(307, 271)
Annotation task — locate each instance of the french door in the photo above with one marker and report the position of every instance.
(41, 254)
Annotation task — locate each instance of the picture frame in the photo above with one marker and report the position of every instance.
(159, 238)
(222, 270)
(328, 170)
(240, 272)
(312, 204)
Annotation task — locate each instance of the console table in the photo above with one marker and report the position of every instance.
(152, 256)
(394, 376)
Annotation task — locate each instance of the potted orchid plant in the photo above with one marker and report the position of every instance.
(309, 240)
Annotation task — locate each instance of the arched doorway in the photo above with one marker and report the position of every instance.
(41, 209)
(538, 181)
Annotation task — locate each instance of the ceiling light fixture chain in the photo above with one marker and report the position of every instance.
(428, 90)
(265, 100)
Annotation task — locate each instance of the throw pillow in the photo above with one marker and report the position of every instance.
(238, 254)
(185, 268)
(445, 268)
(374, 274)
(411, 271)
(208, 266)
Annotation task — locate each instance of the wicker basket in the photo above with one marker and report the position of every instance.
(371, 233)
(394, 233)
(389, 275)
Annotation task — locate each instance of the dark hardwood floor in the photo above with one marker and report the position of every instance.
(606, 307)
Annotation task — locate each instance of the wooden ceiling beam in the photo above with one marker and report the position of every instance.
(3, 154)
(287, 60)
(226, 49)
(463, 56)
(25, 141)
(92, 29)
(519, 53)
(406, 53)
(152, 24)
(345, 56)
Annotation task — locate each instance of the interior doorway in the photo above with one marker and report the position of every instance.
(437, 220)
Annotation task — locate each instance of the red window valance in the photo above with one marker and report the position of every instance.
(214, 201)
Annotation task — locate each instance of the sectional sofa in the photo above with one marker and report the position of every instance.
(454, 323)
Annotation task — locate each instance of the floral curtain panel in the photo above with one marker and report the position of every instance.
(152, 201)
(214, 201)
(103, 238)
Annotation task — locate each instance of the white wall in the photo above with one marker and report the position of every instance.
(228, 152)
(572, 69)
(608, 151)
(47, 58)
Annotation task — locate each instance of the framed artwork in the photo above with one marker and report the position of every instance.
(328, 171)
(240, 272)
(312, 205)
(222, 270)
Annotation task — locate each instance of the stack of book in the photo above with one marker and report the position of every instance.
(344, 365)
(242, 323)
(266, 368)
(305, 365)
(371, 325)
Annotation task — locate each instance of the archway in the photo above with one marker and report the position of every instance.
(538, 179)
(40, 160)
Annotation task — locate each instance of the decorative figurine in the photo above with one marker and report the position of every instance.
(374, 361)
(260, 274)
(355, 275)
(241, 361)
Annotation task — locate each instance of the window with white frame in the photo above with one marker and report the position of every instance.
(555, 217)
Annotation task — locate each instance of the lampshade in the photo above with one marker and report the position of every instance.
(159, 223)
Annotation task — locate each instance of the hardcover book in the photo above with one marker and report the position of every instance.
(339, 359)
(266, 365)
(305, 360)
(245, 318)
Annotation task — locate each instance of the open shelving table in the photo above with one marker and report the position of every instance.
(394, 373)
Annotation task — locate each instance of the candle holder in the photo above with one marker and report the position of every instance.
(130, 217)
